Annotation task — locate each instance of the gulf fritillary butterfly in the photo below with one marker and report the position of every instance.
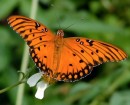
(63, 59)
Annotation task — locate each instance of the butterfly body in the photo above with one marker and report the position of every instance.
(63, 59)
(58, 45)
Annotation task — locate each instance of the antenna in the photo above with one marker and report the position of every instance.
(69, 26)
(73, 23)
(58, 21)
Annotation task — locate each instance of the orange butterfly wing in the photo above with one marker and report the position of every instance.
(80, 55)
(39, 38)
(73, 58)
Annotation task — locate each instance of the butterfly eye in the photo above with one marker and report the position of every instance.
(60, 33)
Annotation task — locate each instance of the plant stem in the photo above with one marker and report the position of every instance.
(10, 87)
(25, 59)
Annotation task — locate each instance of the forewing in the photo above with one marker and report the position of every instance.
(38, 37)
(30, 30)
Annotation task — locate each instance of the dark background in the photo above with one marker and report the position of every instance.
(105, 20)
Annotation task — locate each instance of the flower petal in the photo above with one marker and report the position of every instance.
(34, 79)
(41, 86)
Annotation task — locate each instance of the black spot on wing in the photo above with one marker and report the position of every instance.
(90, 42)
(81, 42)
(81, 61)
(39, 48)
(82, 51)
(74, 54)
(101, 59)
(29, 42)
(25, 36)
(30, 30)
(21, 32)
(46, 30)
(70, 65)
(77, 40)
(37, 25)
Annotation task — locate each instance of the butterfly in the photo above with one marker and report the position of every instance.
(63, 59)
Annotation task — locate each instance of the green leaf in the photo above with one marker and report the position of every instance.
(79, 87)
(4, 36)
(120, 98)
(4, 57)
(6, 7)
(4, 48)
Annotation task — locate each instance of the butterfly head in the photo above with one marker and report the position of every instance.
(60, 33)
(59, 38)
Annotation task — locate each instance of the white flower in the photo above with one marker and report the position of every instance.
(32, 81)
(41, 85)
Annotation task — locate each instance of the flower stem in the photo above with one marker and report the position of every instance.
(25, 59)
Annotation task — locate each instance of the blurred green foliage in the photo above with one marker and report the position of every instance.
(106, 20)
